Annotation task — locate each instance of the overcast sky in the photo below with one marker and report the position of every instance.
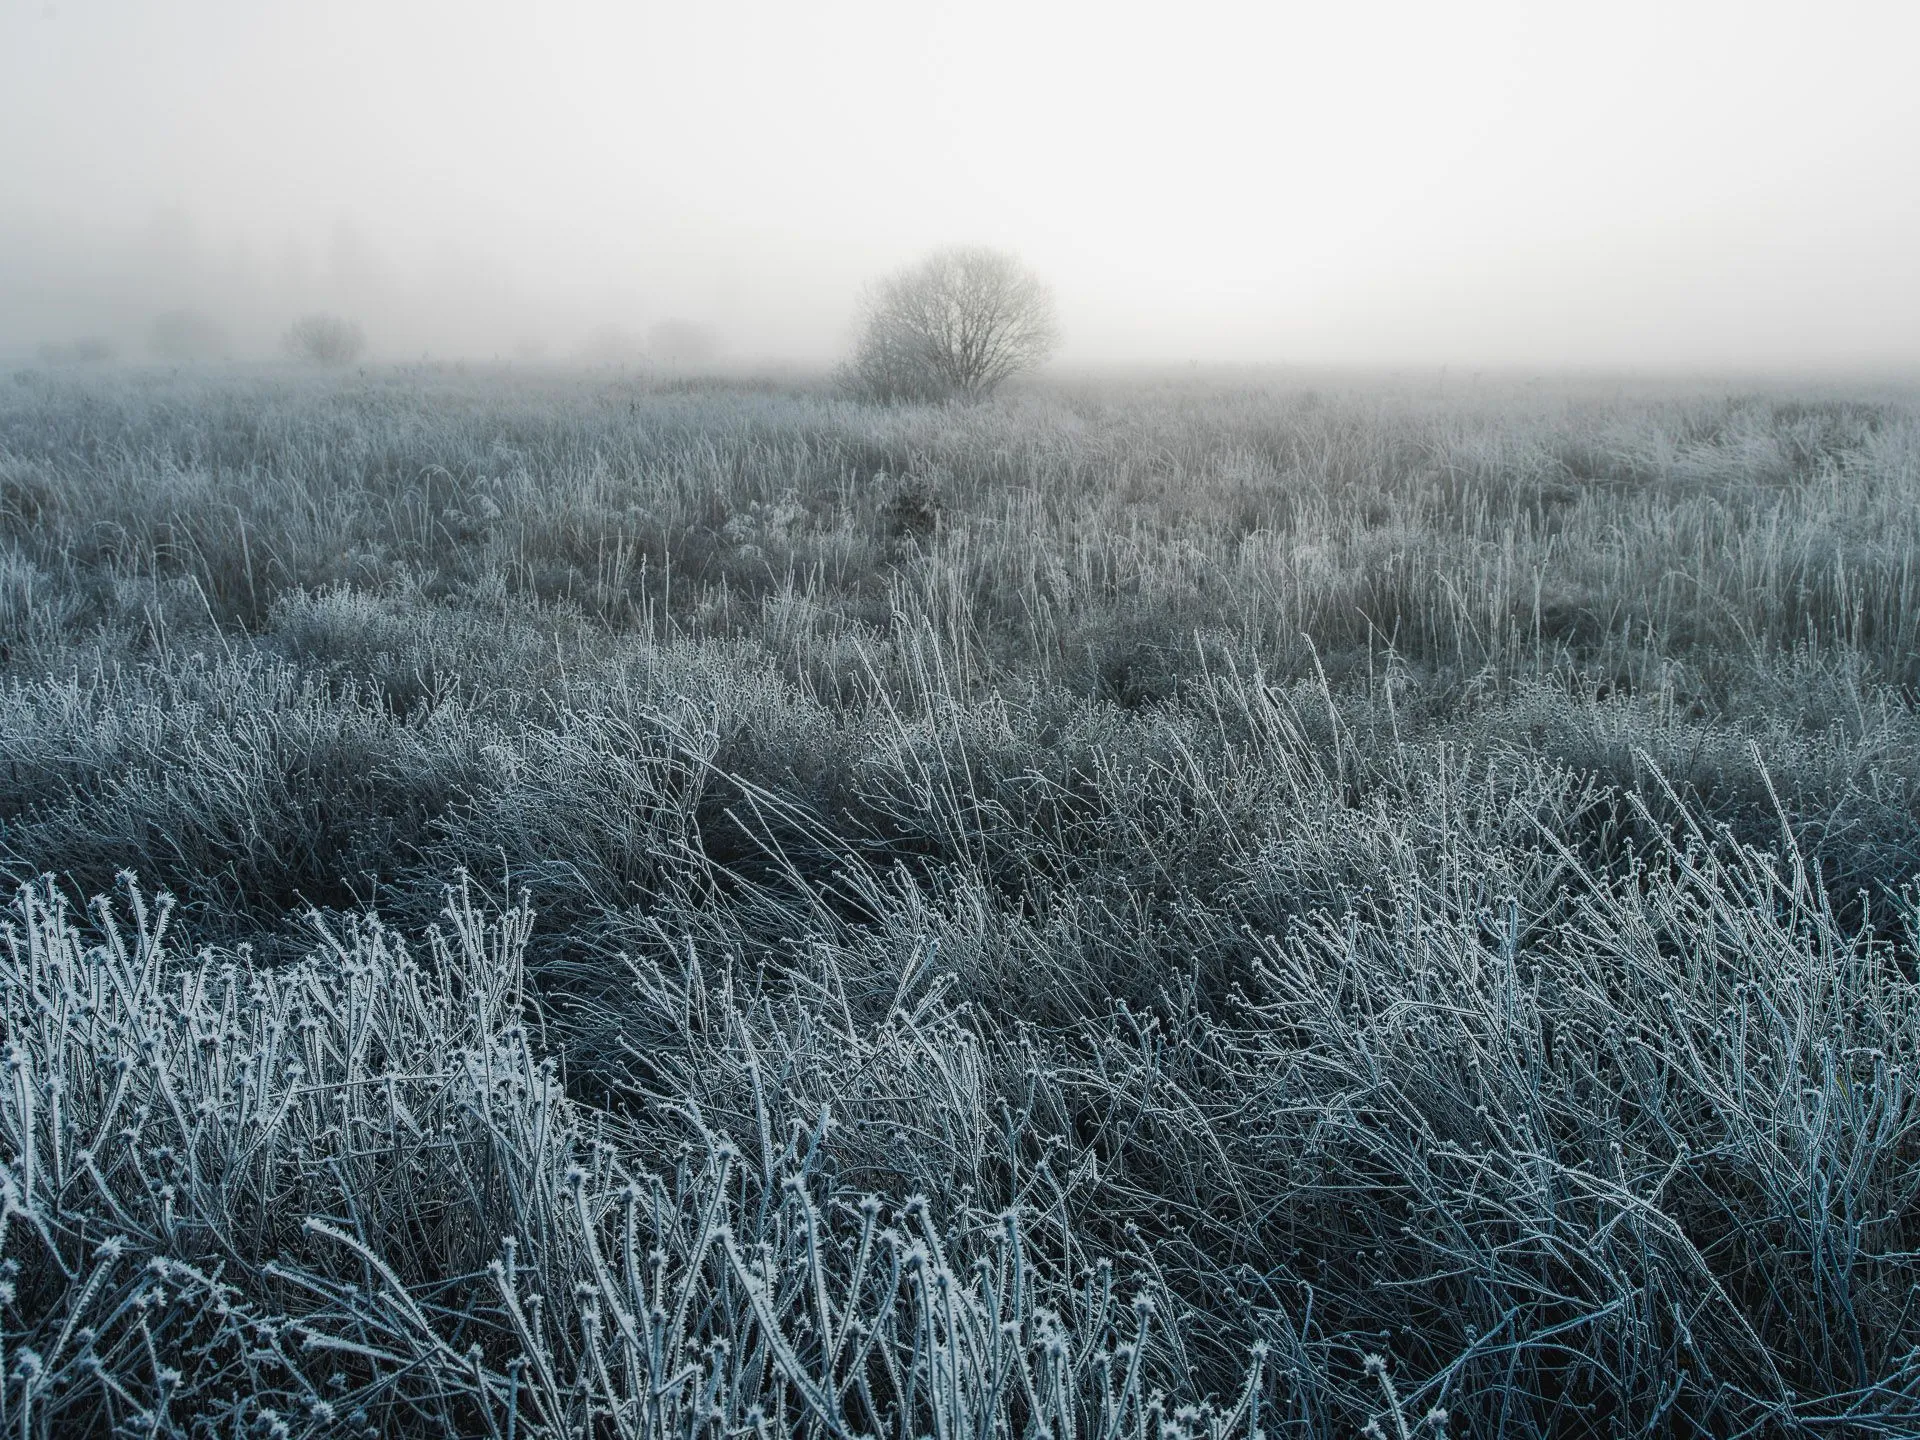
(1475, 183)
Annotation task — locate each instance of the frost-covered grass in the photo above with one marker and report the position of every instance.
(1146, 908)
(346, 1196)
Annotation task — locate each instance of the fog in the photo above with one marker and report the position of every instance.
(1664, 184)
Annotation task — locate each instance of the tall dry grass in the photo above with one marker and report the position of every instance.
(1416, 884)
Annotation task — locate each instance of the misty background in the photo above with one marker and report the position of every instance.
(1638, 184)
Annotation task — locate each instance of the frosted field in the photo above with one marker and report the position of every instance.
(1188, 906)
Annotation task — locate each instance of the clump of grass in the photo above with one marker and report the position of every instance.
(349, 1196)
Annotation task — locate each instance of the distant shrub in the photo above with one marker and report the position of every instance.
(325, 340)
(952, 327)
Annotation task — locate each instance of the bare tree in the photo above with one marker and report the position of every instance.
(952, 327)
(325, 340)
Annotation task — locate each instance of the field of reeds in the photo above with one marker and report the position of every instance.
(1157, 907)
